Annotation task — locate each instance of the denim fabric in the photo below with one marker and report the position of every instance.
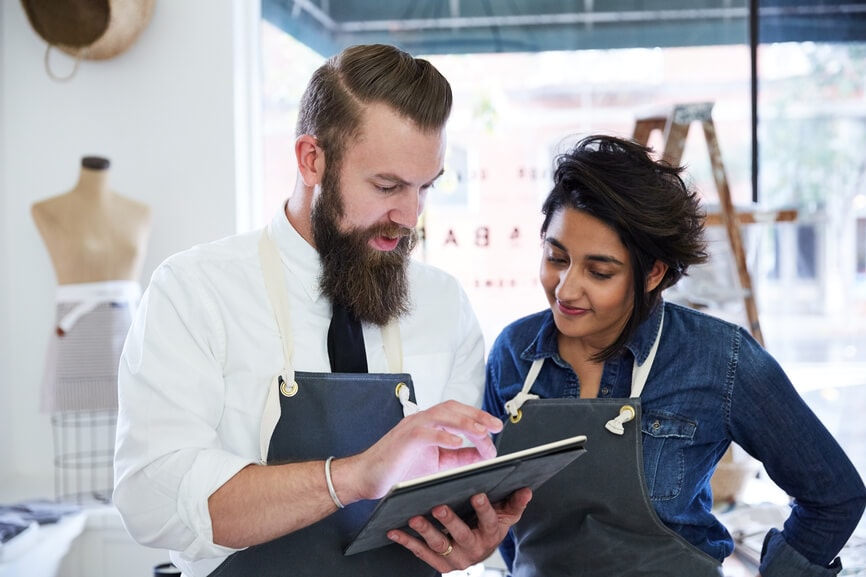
(711, 384)
(778, 559)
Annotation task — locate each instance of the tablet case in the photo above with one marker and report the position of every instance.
(498, 478)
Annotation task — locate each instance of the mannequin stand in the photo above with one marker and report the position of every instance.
(84, 455)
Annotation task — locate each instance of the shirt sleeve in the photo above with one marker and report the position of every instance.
(507, 550)
(493, 402)
(168, 456)
(778, 559)
(770, 420)
(466, 382)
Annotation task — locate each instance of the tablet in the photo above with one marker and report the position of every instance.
(498, 478)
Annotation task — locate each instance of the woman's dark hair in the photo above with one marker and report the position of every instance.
(646, 201)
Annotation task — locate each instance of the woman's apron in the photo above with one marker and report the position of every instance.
(594, 518)
(311, 416)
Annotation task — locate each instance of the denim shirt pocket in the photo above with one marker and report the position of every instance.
(665, 439)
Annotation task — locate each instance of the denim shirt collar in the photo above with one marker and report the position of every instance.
(645, 335)
(545, 344)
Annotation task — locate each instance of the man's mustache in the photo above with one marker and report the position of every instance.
(388, 231)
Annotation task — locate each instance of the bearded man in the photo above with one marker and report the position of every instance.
(258, 417)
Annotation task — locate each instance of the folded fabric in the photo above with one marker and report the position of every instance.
(11, 526)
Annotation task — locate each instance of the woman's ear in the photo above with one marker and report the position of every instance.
(311, 159)
(655, 275)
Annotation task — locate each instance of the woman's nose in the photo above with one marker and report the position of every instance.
(570, 286)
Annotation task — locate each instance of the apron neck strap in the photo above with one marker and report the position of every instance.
(275, 285)
(513, 406)
(639, 375)
(393, 346)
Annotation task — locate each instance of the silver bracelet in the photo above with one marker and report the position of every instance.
(331, 483)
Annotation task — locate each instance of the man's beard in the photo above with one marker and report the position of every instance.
(372, 284)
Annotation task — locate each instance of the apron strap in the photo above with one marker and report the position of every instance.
(394, 354)
(513, 406)
(393, 346)
(640, 372)
(88, 296)
(275, 285)
(409, 408)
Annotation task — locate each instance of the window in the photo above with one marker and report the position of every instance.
(515, 110)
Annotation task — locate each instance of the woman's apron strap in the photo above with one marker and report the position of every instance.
(640, 373)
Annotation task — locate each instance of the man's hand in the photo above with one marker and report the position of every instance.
(427, 442)
(460, 546)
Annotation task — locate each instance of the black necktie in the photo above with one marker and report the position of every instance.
(346, 342)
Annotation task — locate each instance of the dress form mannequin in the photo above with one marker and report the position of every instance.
(96, 240)
(92, 233)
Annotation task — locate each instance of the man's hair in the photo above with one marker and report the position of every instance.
(332, 105)
(655, 213)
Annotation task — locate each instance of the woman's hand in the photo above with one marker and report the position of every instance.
(459, 546)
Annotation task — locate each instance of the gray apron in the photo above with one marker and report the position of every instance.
(311, 416)
(594, 518)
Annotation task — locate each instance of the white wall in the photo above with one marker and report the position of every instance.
(5, 277)
(172, 115)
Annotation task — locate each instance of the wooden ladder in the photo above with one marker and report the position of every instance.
(674, 124)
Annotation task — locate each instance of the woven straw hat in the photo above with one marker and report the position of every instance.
(89, 29)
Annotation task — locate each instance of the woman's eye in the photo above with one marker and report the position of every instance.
(601, 275)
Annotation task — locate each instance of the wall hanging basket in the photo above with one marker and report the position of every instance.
(88, 29)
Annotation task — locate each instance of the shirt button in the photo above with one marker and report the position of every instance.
(657, 426)
(605, 391)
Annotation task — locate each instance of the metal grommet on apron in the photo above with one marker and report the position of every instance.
(311, 416)
(594, 518)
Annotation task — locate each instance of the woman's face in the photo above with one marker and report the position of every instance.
(587, 276)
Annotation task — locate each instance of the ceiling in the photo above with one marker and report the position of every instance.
(472, 26)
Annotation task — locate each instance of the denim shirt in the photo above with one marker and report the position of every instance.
(711, 384)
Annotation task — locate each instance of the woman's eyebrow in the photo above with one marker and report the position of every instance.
(593, 257)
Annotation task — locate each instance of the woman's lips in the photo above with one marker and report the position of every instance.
(570, 311)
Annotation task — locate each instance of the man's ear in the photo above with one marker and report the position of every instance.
(311, 159)
(655, 275)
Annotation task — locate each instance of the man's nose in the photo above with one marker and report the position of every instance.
(408, 208)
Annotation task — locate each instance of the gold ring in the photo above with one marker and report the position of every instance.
(448, 550)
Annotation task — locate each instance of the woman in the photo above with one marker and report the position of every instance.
(660, 390)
